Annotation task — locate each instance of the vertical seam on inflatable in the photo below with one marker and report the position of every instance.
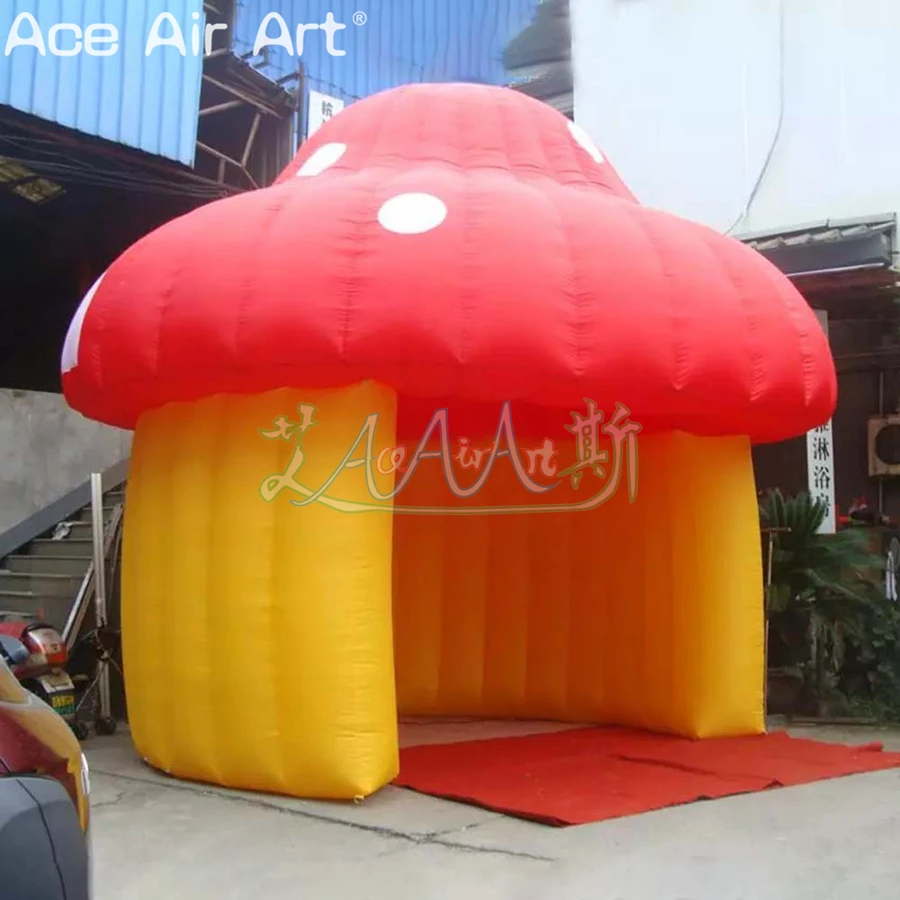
(567, 603)
(187, 250)
(574, 287)
(441, 610)
(171, 696)
(485, 605)
(363, 232)
(798, 311)
(441, 605)
(750, 332)
(213, 478)
(671, 510)
(251, 278)
(698, 703)
(276, 522)
(668, 285)
(469, 257)
(529, 611)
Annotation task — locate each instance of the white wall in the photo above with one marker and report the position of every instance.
(46, 450)
(684, 97)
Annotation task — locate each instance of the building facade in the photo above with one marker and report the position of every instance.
(694, 100)
(382, 45)
(770, 120)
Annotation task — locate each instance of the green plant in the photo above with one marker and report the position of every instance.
(870, 675)
(824, 594)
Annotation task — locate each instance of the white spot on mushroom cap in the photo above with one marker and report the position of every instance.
(324, 158)
(583, 139)
(412, 213)
(73, 336)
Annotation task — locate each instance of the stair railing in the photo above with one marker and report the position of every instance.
(47, 518)
(87, 591)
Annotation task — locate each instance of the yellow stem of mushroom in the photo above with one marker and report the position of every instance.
(260, 636)
(257, 635)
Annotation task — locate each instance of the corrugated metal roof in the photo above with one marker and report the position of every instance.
(401, 41)
(149, 103)
(539, 58)
(548, 39)
(821, 232)
(834, 258)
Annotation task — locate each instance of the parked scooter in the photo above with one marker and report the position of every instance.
(12, 652)
(43, 671)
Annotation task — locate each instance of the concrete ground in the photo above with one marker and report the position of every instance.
(160, 839)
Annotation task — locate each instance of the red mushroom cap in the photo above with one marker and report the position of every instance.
(454, 241)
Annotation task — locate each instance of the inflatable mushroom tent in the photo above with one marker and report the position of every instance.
(452, 248)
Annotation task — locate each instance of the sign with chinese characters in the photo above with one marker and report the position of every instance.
(321, 109)
(820, 461)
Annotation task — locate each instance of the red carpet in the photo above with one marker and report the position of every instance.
(591, 774)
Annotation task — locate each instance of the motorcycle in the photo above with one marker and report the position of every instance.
(42, 671)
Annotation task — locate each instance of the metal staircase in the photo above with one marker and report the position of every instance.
(55, 567)
(47, 563)
(45, 577)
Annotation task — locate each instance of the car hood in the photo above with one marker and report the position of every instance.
(35, 740)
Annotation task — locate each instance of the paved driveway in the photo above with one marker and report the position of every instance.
(160, 839)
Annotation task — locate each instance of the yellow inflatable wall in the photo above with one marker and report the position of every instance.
(647, 614)
(261, 638)
(257, 636)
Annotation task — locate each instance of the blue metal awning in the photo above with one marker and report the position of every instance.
(149, 103)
